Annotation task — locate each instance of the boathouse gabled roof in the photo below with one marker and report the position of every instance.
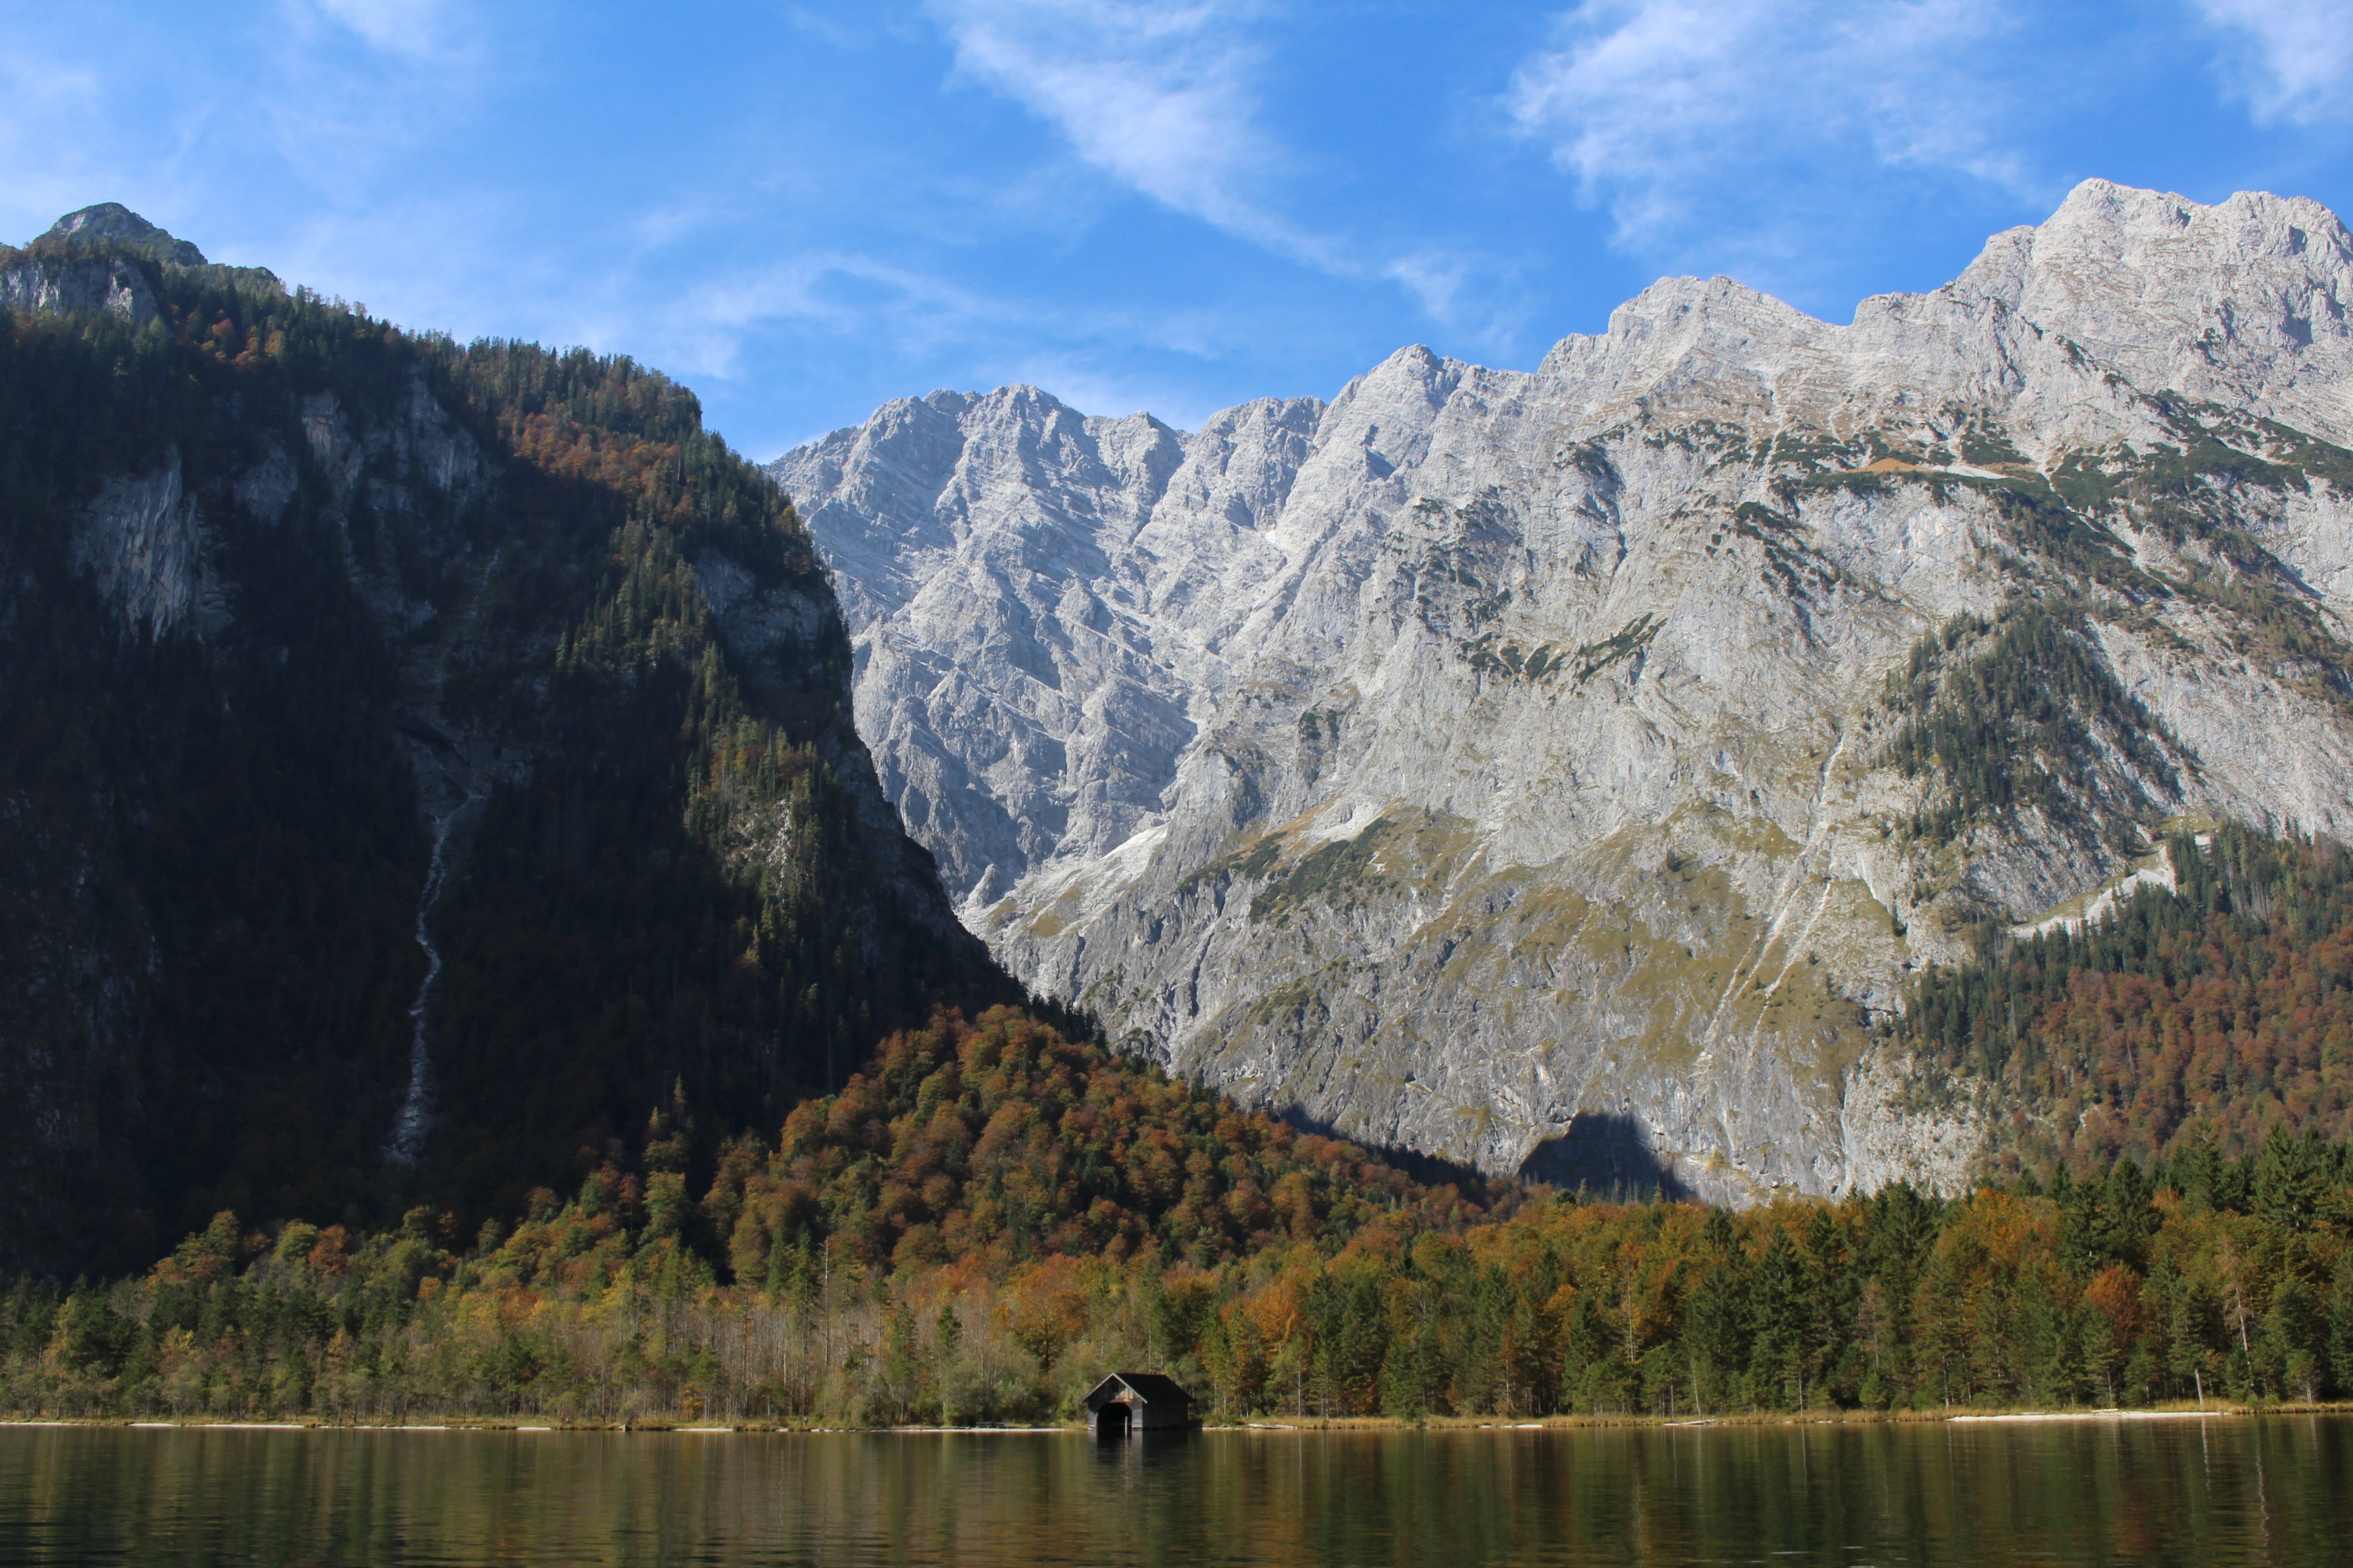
(1151, 1387)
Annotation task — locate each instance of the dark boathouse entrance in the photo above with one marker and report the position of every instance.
(1129, 1402)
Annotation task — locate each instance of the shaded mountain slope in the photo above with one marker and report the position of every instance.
(335, 660)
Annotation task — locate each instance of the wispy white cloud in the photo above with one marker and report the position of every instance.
(1665, 109)
(838, 294)
(1084, 384)
(362, 86)
(416, 29)
(1164, 96)
(1159, 94)
(1477, 297)
(2293, 59)
(849, 295)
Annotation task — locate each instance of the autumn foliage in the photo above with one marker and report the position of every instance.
(975, 1228)
(2223, 1010)
(986, 1144)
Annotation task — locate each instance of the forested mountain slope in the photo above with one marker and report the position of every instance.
(977, 1226)
(2209, 999)
(1568, 771)
(416, 763)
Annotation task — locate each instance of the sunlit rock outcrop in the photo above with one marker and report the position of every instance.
(1560, 770)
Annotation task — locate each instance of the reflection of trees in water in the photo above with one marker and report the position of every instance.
(2055, 1492)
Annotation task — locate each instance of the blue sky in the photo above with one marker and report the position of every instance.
(804, 209)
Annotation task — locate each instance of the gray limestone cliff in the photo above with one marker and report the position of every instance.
(1543, 768)
(54, 279)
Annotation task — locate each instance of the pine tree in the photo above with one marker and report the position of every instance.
(1778, 1324)
(2340, 1327)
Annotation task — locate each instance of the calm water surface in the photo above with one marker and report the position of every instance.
(2228, 1492)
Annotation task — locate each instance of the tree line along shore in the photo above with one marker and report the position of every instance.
(974, 1229)
(1312, 1425)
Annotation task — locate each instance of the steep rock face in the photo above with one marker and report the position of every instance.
(989, 558)
(143, 544)
(114, 286)
(417, 764)
(1558, 770)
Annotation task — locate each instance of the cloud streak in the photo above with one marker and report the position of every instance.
(1159, 95)
(363, 85)
(43, 102)
(2296, 57)
(1662, 107)
(1164, 96)
(413, 29)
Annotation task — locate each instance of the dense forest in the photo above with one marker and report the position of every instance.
(663, 1176)
(271, 573)
(976, 1227)
(2221, 1010)
(2021, 714)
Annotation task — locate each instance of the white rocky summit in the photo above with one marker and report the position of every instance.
(1515, 767)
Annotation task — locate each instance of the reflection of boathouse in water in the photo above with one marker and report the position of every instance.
(1129, 1402)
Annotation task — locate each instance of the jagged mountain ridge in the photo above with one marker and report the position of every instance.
(417, 763)
(1546, 769)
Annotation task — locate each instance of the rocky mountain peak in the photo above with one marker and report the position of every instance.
(1675, 311)
(2245, 301)
(112, 220)
(1486, 756)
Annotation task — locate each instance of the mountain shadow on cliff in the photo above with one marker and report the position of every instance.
(1604, 1154)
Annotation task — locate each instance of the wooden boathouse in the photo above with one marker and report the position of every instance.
(1131, 1401)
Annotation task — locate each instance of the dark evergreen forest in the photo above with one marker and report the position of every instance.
(212, 844)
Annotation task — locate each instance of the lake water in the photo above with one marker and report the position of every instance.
(2275, 1490)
